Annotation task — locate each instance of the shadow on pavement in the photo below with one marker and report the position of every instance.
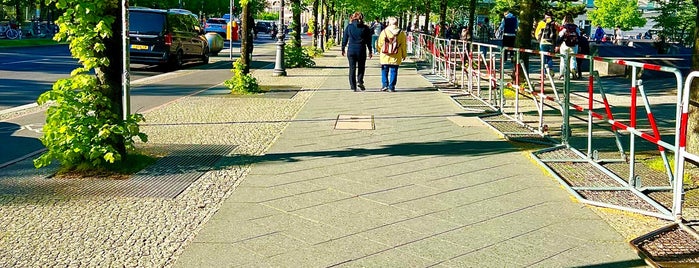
(442, 148)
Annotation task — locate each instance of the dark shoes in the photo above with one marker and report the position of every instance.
(361, 86)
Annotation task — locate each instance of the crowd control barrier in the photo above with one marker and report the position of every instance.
(628, 123)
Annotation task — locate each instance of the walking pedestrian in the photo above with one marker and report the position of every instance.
(356, 38)
(546, 33)
(583, 48)
(569, 37)
(618, 35)
(376, 26)
(393, 51)
(483, 35)
(599, 34)
(508, 27)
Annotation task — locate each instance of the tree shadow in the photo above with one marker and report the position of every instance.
(411, 149)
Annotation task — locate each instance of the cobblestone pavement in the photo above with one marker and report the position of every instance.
(40, 229)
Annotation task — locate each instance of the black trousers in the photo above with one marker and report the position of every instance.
(357, 65)
(508, 41)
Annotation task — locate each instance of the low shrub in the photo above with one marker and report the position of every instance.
(242, 83)
(297, 57)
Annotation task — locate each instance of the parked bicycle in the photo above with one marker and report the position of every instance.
(10, 30)
(39, 29)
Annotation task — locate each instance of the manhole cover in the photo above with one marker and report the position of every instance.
(355, 122)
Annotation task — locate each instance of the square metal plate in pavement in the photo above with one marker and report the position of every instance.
(355, 122)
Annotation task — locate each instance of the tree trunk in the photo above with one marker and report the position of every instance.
(324, 23)
(246, 46)
(296, 10)
(526, 24)
(442, 18)
(109, 77)
(315, 23)
(471, 16)
(693, 126)
(427, 17)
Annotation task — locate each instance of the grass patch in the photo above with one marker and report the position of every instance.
(135, 162)
(656, 163)
(29, 42)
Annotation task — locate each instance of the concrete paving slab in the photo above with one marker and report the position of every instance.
(427, 187)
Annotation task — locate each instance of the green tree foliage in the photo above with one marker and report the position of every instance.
(84, 127)
(267, 16)
(612, 13)
(676, 21)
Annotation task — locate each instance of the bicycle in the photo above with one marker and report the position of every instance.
(38, 29)
(12, 31)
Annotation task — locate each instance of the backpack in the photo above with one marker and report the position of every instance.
(390, 45)
(549, 32)
(570, 37)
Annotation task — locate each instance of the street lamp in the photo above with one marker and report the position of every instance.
(279, 62)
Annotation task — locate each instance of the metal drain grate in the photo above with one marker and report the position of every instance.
(675, 245)
(618, 198)
(167, 178)
(582, 174)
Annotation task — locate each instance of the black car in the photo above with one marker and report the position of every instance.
(167, 38)
(263, 26)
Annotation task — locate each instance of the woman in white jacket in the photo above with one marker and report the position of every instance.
(569, 35)
(390, 60)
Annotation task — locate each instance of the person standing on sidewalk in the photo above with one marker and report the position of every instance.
(569, 38)
(392, 54)
(546, 33)
(357, 40)
(483, 34)
(618, 36)
(377, 27)
(508, 28)
(599, 34)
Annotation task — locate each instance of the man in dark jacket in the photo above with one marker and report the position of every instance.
(357, 40)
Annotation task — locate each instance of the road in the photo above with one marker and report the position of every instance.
(28, 72)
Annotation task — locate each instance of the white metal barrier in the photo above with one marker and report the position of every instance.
(474, 67)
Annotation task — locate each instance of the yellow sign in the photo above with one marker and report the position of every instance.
(139, 47)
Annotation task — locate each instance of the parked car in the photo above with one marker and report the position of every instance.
(216, 25)
(168, 38)
(263, 26)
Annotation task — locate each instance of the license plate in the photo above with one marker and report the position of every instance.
(139, 47)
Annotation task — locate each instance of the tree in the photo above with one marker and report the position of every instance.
(676, 21)
(296, 25)
(693, 128)
(246, 45)
(612, 13)
(84, 125)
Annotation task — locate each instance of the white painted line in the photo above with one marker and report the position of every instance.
(22, 61)
(18, 108)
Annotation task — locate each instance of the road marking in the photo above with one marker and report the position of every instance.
(22, 61)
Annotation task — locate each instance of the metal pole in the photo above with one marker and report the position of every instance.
(230, 38)
(279, 63)
(565, 128)
(126, 80)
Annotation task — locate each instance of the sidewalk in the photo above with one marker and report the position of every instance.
(429, 186)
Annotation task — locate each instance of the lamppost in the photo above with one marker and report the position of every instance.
(279, 63)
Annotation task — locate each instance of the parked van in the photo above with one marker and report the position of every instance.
(168, 38)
